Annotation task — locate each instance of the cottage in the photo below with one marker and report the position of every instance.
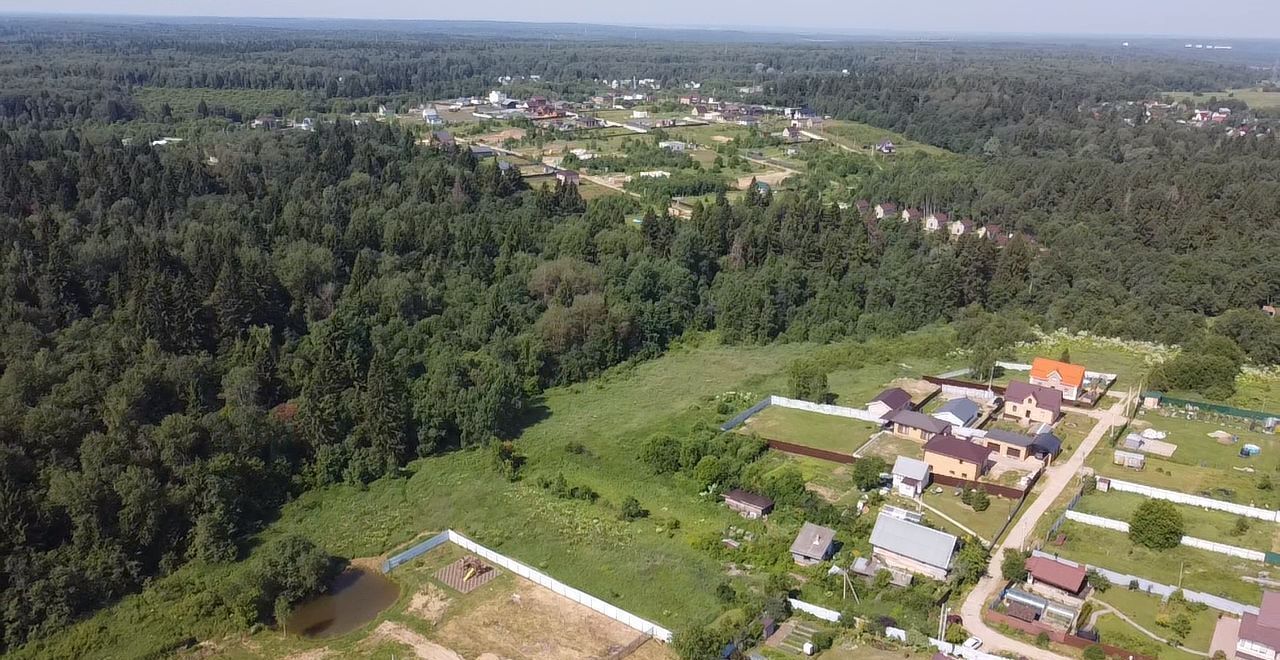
(959, 412)
(791, 134)
(1064, 377)
(1029, 403)
(911, 215)
(431, 116)
(1070, 579)
(885, 210)
(1129, 459)
(910, 476)
(915, 426)
(959, 228)
(886, 147)
(443, 139)
(989, 231)
(888, 401)
(481, 151)
(863, 206)
(813, 544)
(949, 455)
(673, 145)
(749, 505)
(568, 177)
(910, 547)
(1260, 633)
(1008, 443)
(935, 221)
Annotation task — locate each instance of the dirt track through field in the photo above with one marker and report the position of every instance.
(422, 647)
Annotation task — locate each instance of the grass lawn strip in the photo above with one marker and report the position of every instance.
(1205, 524)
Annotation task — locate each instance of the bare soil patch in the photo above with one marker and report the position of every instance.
(422, 647)
(430, 603)
(532, 622)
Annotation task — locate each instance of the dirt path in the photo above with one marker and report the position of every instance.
(422, 647)
(1103, 607)
(1056, 479)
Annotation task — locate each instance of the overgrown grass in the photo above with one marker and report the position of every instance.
(1200, 570)
(1204, 524)
(984, 523)
(1144, 609)
(1117, 632)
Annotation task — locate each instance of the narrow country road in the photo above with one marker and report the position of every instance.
(1056, 479)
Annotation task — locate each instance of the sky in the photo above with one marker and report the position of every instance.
(1241, 19)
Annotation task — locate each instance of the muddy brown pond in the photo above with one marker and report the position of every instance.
(355, 598)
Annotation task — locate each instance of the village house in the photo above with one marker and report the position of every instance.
(443, 139)
(568, 177)
(892, 399)
(886, 147)
(1044, 446)
(431, 116)
(885, 209)
(1259, 637)
(863, 206)
(750, 505)
(949, 455)
(936, 221)
(988, 231)
(914, 425)
(959, 228)
(1056, 577)
(907, 546)
(1064, 377)
(672, 145)
(813, 544)
(959, 412)
(1029, 403)
(910, 476)
(911, 215)
(791, 134)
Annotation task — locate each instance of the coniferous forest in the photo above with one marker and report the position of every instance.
(195, 333)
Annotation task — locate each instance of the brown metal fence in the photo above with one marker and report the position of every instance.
(802, 450)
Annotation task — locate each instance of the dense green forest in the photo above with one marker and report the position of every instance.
(188, 342)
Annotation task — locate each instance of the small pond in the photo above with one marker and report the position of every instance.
(355, 598)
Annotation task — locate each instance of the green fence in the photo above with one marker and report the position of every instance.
(1211, 407)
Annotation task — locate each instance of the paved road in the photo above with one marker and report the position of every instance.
(1056, 479)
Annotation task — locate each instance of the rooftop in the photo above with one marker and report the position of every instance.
(813, 541)
(1071, 374)
(923, 544)
(911, 468)
(745, 497)
(894, 397)
(1046, 397)
(963, 450)
(917, 420)
(1067, 577)
(962, 408)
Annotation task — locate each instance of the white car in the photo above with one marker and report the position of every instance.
(972, 643)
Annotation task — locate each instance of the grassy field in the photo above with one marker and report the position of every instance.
(1143, 608)
(1201, 570)
(890, 447)
(251, 102)
(1255, 97)
(1118, 632)
(840, 434)
(984, 523)
(857, 136)
(1203, 524)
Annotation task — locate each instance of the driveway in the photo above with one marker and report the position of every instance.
(1056, 479)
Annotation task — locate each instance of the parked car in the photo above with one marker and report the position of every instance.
(972, 643)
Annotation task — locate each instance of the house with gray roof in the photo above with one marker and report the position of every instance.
(910, 476)
(915, 425)
(1043, 445)
(904, 545)
(813, 544)
(959, 412)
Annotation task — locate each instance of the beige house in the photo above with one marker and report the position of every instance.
(914, 425)
(1030, 404)
(954, 457)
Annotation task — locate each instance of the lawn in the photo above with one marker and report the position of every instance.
(1255, 97)
(985, 523)
(831, 481)
(1117, 632)
(857, 136)
(250, 102)
(889, 447)
(855, 387)
(1143, 609)
(1203, 524)
(1201, 570)
(801, 427)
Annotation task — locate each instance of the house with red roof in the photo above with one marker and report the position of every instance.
(1259, 637)
(1062, 376)
(936, 220)
(1060, 577)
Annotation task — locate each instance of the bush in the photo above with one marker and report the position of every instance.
(955, 634)
(1157, 524)
(822, 640)
(1096, 580)
(1042, 640)
(867, 471)
(1095, 652)
(575, 447)
(980, 501)
(661, 453)
(1241, 526)
(808, 381)
(631, 510)
(1014, 565)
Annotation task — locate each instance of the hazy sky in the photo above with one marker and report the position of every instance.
(1247, 18)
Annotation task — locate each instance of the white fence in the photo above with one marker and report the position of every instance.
(1211, 546)
(824, 409)
(815, 610)
(975, 392)
(1194, 500)
(578, 596)
(1158, 589)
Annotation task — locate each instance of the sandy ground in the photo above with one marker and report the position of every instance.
(917, 388)
(422, 647)
(313, 654)
(429, 603)
(771, 178)
(532, 622)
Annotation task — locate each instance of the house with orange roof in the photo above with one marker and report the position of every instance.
(1064, 377)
